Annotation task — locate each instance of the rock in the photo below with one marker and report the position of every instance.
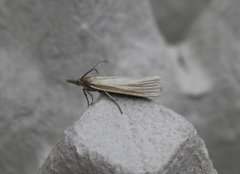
(175, 17)
(212, 44)
(43, 43)
(207, 72)
(146, 138)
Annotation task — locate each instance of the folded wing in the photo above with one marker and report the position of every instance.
(142, 87)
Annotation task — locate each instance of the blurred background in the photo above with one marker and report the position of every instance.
(193, 45)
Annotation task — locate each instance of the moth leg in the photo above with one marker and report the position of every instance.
(90, 96)
(114, 100)
(85, 94)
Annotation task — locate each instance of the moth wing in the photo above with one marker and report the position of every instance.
(145, 87)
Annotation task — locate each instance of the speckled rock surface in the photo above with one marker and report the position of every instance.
(195, 51)
(43, 43)
(207, 70)
(146, 138)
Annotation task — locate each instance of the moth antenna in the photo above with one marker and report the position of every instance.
(94, 68)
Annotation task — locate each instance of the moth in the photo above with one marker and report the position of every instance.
(139, 87)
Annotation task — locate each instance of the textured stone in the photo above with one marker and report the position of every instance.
(213, 43)
(147, 138)
(207, 71)
(43, 43)
(175, 17)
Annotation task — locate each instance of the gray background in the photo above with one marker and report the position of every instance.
(193, 45)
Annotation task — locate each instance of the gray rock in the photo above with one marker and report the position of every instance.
(147, 138)
(175, 17)
(43, 43)
(213, 46)
(207, 71)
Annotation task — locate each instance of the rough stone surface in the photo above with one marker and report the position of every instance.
(147, 138)
(43, 43)
(207, 71)
(175, 17)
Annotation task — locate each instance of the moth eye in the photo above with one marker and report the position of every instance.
(79, 81)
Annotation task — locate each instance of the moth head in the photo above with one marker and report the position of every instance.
(75, 82)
